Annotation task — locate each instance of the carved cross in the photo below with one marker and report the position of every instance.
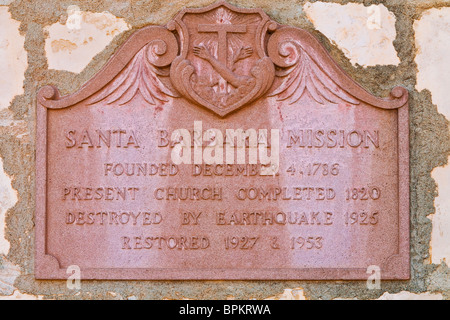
(222, 30)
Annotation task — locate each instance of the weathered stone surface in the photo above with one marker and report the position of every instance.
(5, 2)
(72, 45)
(8, 197)
(440, 236)
(405, 295)
(364, 34)
(439, 280)
(8, 274)
(17, 295)
(36, 15)
(289, 294)
(432, 32)
(13, 58)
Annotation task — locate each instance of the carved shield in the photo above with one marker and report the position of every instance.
(222, 64)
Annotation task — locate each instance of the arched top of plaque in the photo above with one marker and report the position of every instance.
(221, 58)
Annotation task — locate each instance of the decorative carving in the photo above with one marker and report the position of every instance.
(142, 75)
(222, 58)
(300, 74)
(223, 64)
(303, 65)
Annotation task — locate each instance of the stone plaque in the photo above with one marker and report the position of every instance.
(222, 146)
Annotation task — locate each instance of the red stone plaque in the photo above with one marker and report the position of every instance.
(222, 146)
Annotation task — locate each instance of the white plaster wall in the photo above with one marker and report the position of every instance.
(405, 295)
(364, 34)
(8, 198)
(13, 58)
(432, 34)
(71, 46)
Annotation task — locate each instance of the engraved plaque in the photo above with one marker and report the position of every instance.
(222, 146)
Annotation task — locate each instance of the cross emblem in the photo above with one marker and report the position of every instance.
(222, 31)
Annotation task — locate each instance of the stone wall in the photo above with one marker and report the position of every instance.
(381, 44)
